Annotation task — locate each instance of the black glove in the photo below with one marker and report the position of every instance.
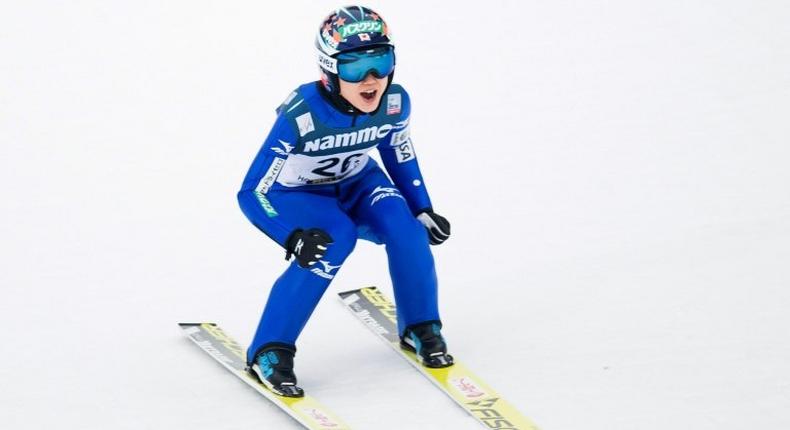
(438, 227)
(308, 246)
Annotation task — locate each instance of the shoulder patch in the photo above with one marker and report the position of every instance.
(305, 123)
(393, 104)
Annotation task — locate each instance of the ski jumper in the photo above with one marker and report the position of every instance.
(314, 171)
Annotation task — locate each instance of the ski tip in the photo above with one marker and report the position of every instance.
(194, 324)
(344, 294)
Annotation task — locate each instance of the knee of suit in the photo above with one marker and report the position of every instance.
(344, 241)
(401, 230)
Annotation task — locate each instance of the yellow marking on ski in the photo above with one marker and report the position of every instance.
(469, 391)
(381, 302)
(479, 398)
(316, 415)
(224, 339)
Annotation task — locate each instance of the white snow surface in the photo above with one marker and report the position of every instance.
(617, 175)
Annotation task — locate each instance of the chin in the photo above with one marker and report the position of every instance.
(369, 109)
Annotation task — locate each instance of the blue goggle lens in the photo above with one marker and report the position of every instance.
(354, 66)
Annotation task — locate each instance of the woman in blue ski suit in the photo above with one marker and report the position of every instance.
(314, 190)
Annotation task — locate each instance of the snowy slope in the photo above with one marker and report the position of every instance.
(616, 173)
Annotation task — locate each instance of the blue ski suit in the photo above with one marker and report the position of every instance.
(314, 171)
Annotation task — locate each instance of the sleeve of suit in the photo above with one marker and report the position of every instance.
(262, 174)
(400, 160)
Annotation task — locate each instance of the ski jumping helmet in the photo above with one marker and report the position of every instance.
(346, 30)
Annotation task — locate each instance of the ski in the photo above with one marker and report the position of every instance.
(478, 399)
(306, 410)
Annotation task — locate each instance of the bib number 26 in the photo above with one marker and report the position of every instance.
(329, 166)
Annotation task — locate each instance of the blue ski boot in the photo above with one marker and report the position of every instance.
(426, 341)
(274, 368)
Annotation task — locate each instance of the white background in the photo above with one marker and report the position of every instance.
(616, 173)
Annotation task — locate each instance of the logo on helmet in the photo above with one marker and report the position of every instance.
(361, 27)
(327, 62)
(329, 39)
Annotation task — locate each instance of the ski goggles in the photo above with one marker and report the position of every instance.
(355, 66)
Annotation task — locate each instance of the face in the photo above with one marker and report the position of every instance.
(364, 95)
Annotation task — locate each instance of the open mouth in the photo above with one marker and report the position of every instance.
(368, 95)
